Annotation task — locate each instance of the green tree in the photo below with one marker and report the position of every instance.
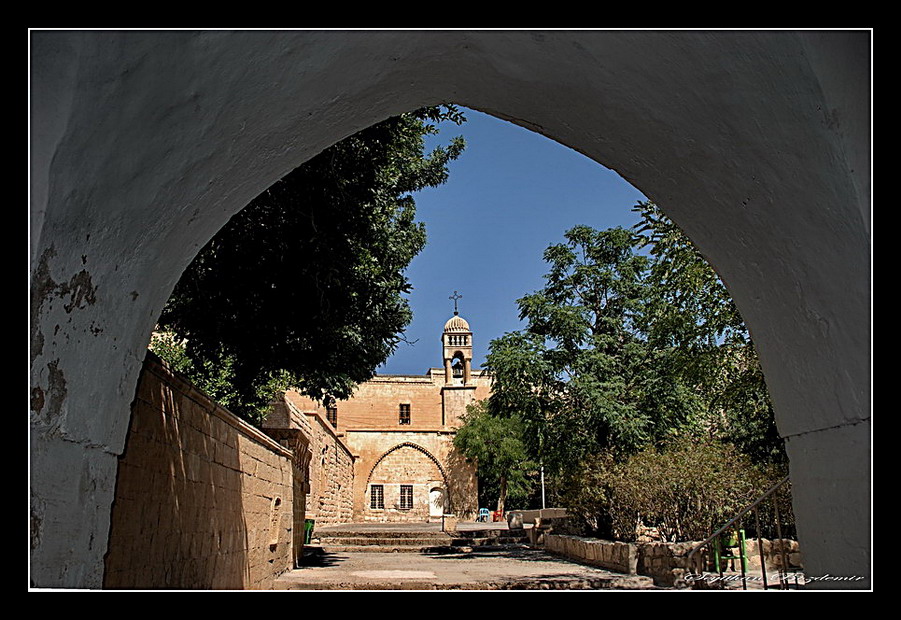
(217, 379)
(633, 341)
(306, 284)
(689, 311)
(496, 445)
(638, 383)
(582, 374)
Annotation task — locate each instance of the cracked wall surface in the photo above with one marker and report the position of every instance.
(143, 144)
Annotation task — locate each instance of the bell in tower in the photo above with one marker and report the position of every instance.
(457, 348)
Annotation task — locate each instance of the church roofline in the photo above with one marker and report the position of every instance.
(428, 373)
(386, 376)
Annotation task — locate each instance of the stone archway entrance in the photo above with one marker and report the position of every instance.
(144, 144)
(407, 477)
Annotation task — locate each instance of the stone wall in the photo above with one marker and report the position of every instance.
(666, 563)
(617, 556)
(772, 554)
(375, 404)
(425, 459)
(368, 442)
(331, 480)
(542, 515)
(405, 465)
(203, 500)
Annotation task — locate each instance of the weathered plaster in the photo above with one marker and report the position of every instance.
(828, 493)
(144, 144)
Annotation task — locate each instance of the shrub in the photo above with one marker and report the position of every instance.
(685, 490)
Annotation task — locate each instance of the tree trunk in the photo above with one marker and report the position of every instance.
(503, 495)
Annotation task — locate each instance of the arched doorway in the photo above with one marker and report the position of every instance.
(437, 503)
(144, 144)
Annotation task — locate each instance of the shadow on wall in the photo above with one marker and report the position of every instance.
(201, 502)
(463, 487)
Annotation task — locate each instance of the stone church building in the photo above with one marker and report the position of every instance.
(386, 454)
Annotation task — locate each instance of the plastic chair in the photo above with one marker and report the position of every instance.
(483, 515)
(730, 546)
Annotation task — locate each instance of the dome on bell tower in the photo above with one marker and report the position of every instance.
(456, 324)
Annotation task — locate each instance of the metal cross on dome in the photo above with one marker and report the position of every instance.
(455, 297)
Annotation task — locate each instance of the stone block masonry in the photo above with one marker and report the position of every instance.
(621, 557)
(203, 500)
(331, 471)
(666, 563)
(387, 454)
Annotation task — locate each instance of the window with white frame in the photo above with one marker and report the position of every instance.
(406, 497)
(377, 497)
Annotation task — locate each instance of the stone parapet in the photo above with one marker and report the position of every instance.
(330, 480)
(666, 563)
(616, 556)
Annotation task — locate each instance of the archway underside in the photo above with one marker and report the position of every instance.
(144, 144)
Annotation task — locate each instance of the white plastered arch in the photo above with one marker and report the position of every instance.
(144, 144)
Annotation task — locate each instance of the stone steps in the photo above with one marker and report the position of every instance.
(353, 541)
(337, 534)
(424, 548)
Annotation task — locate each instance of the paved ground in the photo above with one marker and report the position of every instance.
(510, 568)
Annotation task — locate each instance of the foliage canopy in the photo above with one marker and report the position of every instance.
(582, 373)
(496, 445)
(690, 313)
(632, 341)
(306, 284)
(632, 344)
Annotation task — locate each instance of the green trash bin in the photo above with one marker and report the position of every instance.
(308, 530)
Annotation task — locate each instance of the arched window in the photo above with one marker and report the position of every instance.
(457, 366)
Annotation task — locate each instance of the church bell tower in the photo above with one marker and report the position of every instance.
(457, 349)
(456, 344)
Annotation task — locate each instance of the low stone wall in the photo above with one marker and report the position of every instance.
(530, 516)
(772, 554)
(203, 500)
(616, 556)
(667, 563)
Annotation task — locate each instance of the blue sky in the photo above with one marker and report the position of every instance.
(510, 194)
